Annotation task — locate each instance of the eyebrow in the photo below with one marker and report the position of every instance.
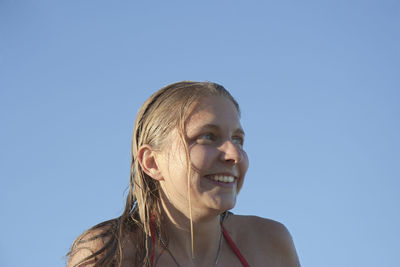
(215, 127)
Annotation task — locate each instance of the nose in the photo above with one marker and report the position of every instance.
(230, 153)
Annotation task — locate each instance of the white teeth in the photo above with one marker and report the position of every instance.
(222, 178)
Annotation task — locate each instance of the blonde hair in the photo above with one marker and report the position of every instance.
(164, 111)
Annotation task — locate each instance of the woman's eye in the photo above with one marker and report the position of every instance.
(207, 137)
(238, 140)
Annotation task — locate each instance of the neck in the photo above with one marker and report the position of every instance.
(206, 235)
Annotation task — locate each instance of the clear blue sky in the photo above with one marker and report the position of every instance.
(319, 87)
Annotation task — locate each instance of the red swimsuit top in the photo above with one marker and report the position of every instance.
(224, 232)
(234, 247)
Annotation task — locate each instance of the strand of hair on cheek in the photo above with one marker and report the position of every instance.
(190, 211)
(189, 169)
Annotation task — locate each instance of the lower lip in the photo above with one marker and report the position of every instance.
(227, 185)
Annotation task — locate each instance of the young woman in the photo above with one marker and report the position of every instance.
(188, 165)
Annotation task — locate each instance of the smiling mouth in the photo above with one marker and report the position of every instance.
(221, 178)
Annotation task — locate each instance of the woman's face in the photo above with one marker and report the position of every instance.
(219, 163)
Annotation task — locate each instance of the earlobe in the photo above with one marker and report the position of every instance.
(147, 160)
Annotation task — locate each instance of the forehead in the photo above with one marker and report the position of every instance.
(217, 110)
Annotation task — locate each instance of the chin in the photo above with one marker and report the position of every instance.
(223, 204)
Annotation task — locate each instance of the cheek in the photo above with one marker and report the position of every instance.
(176, 156)
(243, 166)
(202, 156)
(172, 164)
(244, 162)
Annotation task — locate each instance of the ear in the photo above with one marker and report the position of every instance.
(147, 160)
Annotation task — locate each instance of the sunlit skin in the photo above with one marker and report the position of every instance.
(215, 141)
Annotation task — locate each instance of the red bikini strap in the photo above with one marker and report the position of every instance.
(234, 247)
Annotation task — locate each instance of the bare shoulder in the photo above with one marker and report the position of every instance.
(90, 246)
(258, 224)
(268, 237)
